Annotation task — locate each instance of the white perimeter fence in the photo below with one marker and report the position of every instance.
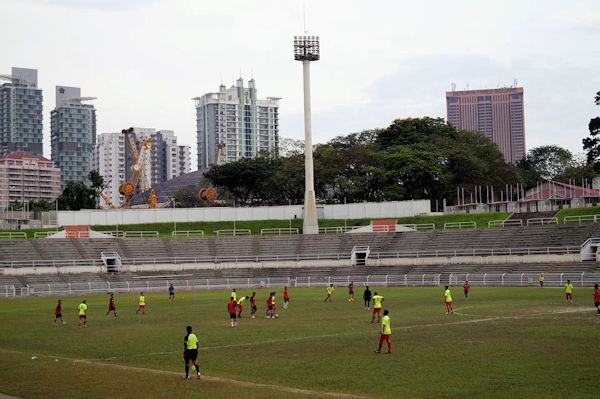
(579, 279)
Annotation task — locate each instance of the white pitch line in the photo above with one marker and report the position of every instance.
(248, 384)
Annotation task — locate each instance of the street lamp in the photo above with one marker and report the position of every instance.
(307, 49)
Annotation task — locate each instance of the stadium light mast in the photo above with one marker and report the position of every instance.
(306, 49)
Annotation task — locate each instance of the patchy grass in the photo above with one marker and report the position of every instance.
(481, 219)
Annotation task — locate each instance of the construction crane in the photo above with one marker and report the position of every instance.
(137, 178)
(210, 193)
(106, 199)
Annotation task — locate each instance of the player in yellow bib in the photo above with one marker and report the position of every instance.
(141, 304)
(542, 280)
(82, 309)
(377, 301)
(569, 291)
(329, 293)
(386, 332)
(240, 305)
(233, 295)
(190, 352)
(448, 300)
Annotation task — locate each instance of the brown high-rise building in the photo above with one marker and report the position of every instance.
(497, 113)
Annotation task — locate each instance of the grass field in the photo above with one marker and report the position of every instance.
(504, 342)
(594, 210)
(481, 219)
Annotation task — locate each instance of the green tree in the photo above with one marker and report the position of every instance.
(34, 205)
(592, 144)
(77, 196)
(546, 162)
(187, 197)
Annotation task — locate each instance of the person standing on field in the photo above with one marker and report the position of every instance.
(467, 289)
(351, 291)
(240, 305)
(190, 352)
(82, 308)
(377, 301)
(367, 298)
(542, 280)
(231, 309)
(329, 293)
(233, 294)
(448, 300)
(569, 291)
(171, 293)
(112, 306)
(253, 305)
(141, 304)
(58, 313)
(386, 332)
(597, 297)
(286, 297)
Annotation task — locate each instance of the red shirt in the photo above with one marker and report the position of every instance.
(466, 287)
(111, 303)
(351, 287)
(597, 295)
(58, 309)
(269, 303)
(285, 294)
(253, 301)
(231, 306)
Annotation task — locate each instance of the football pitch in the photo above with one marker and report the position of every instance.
(503, 342)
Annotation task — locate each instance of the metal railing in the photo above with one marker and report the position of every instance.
(13, 234)
(420, 226)
(505, 223)
(233, 232)
(438, 253)
(582, 218)
(279, 231)
(188, 233)
(541, 221)
(338, 229)
(522, 279)
(460, 225)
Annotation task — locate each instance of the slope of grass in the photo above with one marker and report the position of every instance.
(481, 219)
(503, 342)
(593, 210)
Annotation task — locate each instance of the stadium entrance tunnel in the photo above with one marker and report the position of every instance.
(360, 255)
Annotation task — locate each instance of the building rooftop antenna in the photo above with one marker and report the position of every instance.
(453, 86)
(304, 17)
(516, 82)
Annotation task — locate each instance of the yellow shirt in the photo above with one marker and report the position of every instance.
(386, 325)
(330, 290)
(541, 278)
(273, 300)
(242, 299)
(569, 288)
(192, 341)
(377, 299)
(142, 300)
(448, 295)
(82, 309)
(233, 295)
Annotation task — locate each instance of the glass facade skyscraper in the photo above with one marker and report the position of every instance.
(72, 134)
(21, 113)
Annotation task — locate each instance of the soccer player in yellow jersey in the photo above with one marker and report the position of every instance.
(569, 291)
(190, 352)
(329, 293)
(233, 295)
(386, 332)
(82, 308)
(542, 280)
(448, 300)
(240, 305)
(141, 304)
(377, 301)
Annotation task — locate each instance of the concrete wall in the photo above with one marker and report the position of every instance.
(476, 260)
(369, 210)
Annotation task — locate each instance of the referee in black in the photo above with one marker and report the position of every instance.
(190, 352)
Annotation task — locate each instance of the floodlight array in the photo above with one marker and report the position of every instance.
(306, 48)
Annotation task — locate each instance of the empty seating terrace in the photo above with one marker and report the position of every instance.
(296, 245)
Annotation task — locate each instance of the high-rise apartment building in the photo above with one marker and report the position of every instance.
(237, 119)
(109, 161)
(185, 159)
(72, 134)
(20, 112)
(497, 113)
(27, 177)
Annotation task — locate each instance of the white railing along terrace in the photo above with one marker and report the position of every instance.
(460, 225)
(541, 221)
(338, 229)
(279, 231)
(523, 279)
(581, 219)
(187, 233)
(233, 232)
(13, 234)
(505, 223)
(565, 250)
(420, 226)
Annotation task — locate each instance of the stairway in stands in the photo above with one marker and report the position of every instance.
(523, 216)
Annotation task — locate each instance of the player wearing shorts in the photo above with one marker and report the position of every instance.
(597, 297)
(377, 301)
(82, 309)
(367, 298)
(386, 332)
(448, 300)
(231, 309)
(329, 293)
(274, 304)
(58, 313)
(569, 291)
(190, 352)
(171, 293)
(112, 306)
(253, 305)
(141, 304)
(542, 280)
(351, 292)
(286, 298)
(466, 289)
(240, 305)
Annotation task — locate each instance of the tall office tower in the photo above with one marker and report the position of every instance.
(497, 113)
(109, 161)
(72, 134)
(20, 112)
(236, 119)
(185, 160)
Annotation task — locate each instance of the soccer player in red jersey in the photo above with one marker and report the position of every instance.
(351, 291)
(253, 305)
(112, 306)
(58, 313)
(231, 309)
(286, 297)
(271, 306)
(240, 305)
(466, 289)
(597, 297)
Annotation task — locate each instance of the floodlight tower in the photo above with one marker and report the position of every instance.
(306, 49)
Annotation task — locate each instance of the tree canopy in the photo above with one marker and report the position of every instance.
(592, 144)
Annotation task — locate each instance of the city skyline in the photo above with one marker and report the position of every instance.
(404, 72)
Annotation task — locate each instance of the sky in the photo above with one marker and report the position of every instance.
(380, 60)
